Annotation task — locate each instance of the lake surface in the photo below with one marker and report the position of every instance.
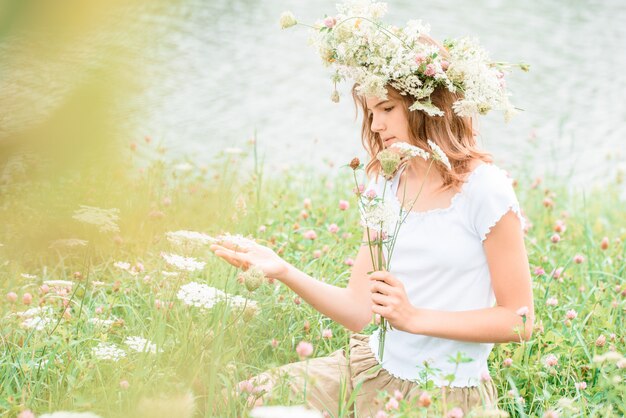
(221, 70)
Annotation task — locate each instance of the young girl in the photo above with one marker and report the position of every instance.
(460, 279)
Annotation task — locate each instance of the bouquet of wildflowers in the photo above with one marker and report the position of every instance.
(380, 219)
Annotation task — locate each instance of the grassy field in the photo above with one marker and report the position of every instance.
(92, 318)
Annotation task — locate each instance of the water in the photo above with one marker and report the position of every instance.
(221, 70)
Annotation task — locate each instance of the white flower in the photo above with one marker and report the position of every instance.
(141, 345)
(37, 323)
(28, 276)
(236, 240)
(189, 238)
(169, 273)
(439, 155)
(59, 283)
(102, 322)
(287, 20)
(410, 151)
(183, 263)
(184, 167)
(200, 295)
(378, 215)
(108, 351)
(32, 312)
(122, 265)
(233, 151)
(104, 219)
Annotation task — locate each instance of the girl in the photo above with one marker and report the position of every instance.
(459, 281)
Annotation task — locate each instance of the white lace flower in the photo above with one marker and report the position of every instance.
(141, 345)
(189, 238)
(59, 283)
(122, 265)
(410, 151)
(200, 295)
(183, 263)
(104, 219)
(108, 351)
(378, 215)
(37, 323)
(439, 155)
(102, 322)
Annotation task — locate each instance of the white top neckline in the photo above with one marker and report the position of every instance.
(420, 214)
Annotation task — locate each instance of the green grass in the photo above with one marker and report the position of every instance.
(207, 352)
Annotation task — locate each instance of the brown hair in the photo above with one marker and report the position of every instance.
(452, 133)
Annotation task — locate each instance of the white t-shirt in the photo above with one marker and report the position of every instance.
(439, 257)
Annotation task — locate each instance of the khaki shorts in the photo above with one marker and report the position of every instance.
(332, 381)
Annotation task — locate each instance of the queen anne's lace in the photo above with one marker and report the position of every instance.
(360, 47)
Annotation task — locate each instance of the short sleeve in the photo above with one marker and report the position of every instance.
(491, 197)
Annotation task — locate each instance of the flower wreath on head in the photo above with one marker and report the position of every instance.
(362, 48)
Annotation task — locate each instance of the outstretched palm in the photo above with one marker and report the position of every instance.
(251, 254)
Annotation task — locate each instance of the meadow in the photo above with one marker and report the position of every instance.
(105, 308)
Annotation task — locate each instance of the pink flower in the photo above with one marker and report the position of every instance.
(485, 377)
(578, 258)
(262, 228)
(327, 333)
(245, 386)
(604, 244)
(307, 203)
(297, 300)
(420, 59)
(274, 343)
(304, 214)
(310, 234)
(359, 189)
(344, 204)
(398, 395)
(330, 22)
(99, 310)
(580, 385)
(552, 302)
(551, 414)
(12, 297)
(601, 341)
(333, 228)
(44, 289)
(508, 362)
(317, 254)
(392, 404)
(124, 384)
(571, 314)
(555, 238)
(430, 70)
(551, 360)
(27, 299)
(371, 194)
(424, 400)
(381, 414)
(557, 272)
(455, 412)
(26, 414)
(348, 261)
(444, 64)
(523, 311)
(539, 271)
(166, 201)
(304, 349)
(559, 226)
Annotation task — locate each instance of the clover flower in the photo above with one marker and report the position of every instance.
(108, 351)
(104, 219)
(253, 278)
(183, 263)
(287, 20)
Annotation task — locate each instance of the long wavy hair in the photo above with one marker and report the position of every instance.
(452, 133)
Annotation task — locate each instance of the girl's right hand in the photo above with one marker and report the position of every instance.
(247, 253)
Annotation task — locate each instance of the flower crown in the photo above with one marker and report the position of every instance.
(361, 47)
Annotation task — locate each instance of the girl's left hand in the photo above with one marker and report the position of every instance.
(389, 300)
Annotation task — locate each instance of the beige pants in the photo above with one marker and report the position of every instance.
(332, 381)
